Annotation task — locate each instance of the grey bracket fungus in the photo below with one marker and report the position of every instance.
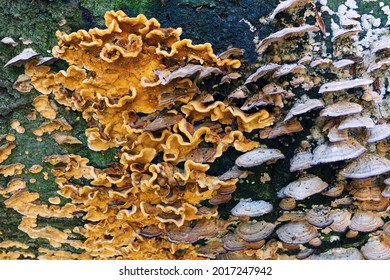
(165, 76)
(303, 187)
(303, 107)
(341, 108)
(344, 33)
(337, 151)
(284, 33)
(288, 4)
(337, 135)
(365, 221)
(262, 71)
(296, 232)
(319, 217)
(22, 58)
(356, 122)
(341, 220)
(381, 45)
(365, 166)
(344, 85)
(286, 69)
(342, 63)
(339, 254)
(379, 65)
(255, 208)
(376, 250)
(301, 161)
(283, 128)
(386, 192)
(258, 156)
(378, 132)
(255, 231)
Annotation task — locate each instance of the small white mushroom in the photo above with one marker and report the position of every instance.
(9, 41)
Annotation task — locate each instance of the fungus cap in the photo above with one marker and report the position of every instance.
(287, 204)
(378, 132)
(342, 63)
(341, 220)
(319, 217)
(301, 161)
(386, 192)
(254, 208)
(258, 156)
(297, 232)
(356, 122)
(286, 69)
(262, 71)
(381, 45)
(364, 221)
(255, 231)
(337, 135)
(337, 151)
(376, 250)
(22, 58)
(339, 254)
(344, 85)
(367, 165)
(344, 33)
(341, 108)
(288, 4)
(304, 187)
(303, 107)
(284, 33)
(283, 128)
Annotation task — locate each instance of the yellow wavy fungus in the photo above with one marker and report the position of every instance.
(54, 236)
(46, 108)
(52, 125)
(11, 169)
(5, 151)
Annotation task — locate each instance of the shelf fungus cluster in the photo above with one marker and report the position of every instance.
(315, 103)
